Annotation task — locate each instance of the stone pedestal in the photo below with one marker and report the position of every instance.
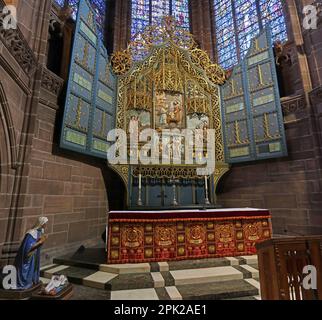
(19, 294)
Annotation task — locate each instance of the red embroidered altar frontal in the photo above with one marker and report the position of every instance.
(150, 236)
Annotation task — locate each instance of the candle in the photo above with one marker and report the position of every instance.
(206, 182)
(140, 181)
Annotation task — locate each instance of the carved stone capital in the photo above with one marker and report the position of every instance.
(293, 104)
(51, 82)
(15, 42)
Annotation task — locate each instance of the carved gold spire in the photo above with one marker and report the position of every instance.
(170, 35)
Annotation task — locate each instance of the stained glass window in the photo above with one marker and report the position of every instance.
(238, 21)
(99, 7)
(60, 2)
(146, 12)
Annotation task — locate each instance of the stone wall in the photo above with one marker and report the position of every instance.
(37, 177)
(290, 187)
(68, 189)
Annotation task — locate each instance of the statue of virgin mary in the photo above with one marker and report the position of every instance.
(27, 261)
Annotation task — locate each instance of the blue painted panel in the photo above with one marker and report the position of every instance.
(90, 104)
(251, 110)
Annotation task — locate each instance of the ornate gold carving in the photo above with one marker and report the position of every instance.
(180, 226)
(132, 237)
(211, 249)
(123, 171)
(115, 228)
(121, 62)
(211, 236)
(240, 247)
(115, 241)
(224, 233)
(253, 231)
(166, 59)
(156, 35)
(267, 234)
(148, 253)
(196, 234)
(149, 240)
(181, 251)
(115, 255)
(238, 224)
(149, 227)
(239, 235)
(210, 225)
(161, 172)
(181, 238)
(165, 236)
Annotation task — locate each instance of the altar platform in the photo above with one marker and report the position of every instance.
(154, 236)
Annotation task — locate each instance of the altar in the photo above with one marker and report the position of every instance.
(154, 236)
(171, 124)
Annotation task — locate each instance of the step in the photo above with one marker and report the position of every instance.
(227, 290)
(231, 289)
(116, 282)
(157, 266)
(251, 260)
(206, 275)
(126, 268)
(239, 282)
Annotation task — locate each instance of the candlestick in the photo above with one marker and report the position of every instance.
(175, 202)
(206, 191)
(140, 203)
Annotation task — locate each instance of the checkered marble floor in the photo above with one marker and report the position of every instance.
(209, 279)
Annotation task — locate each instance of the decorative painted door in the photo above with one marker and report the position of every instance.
(251, 110)
(91, 94)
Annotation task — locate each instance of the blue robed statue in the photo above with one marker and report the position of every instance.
(27, 261)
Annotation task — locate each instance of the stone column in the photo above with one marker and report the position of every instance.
(313, 45)
(299, 59)
(122, 24)
(201, 15)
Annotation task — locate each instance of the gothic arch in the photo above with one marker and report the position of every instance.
(8, 144)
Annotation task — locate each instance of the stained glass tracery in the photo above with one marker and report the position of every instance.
(146, 12)
(99, 7)
(239, 21)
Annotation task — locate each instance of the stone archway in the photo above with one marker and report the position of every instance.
(8, 162)
(8, 143)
